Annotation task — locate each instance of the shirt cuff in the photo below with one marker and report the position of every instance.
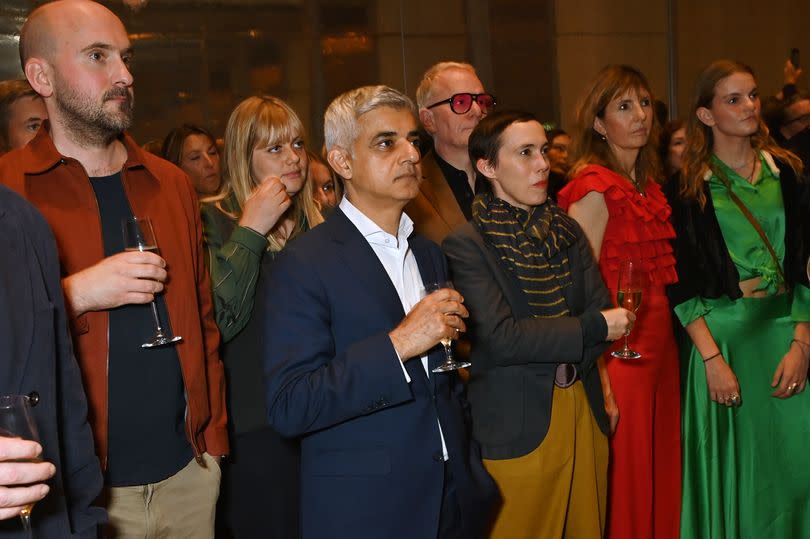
(690, 310)
(250, 239)
(401, 364)
(800, 308)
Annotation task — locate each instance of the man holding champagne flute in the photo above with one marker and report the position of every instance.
(158, 413)
(386, 448)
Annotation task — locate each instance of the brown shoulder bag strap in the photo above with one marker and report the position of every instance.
(751, 219)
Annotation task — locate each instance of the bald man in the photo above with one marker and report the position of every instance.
(157, 413)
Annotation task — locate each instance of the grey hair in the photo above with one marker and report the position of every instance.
(340, 119)
(424, 91)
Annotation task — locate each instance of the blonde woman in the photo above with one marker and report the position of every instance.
(267, 201)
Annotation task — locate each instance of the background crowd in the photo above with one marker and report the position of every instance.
(302, 397)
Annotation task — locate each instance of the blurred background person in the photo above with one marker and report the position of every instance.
(559, 144)
(743, 297)
(613, 193)
(540, 318)
(194, 150)
(267, 201)
(22, 111)
(671, 147)
(325, 185)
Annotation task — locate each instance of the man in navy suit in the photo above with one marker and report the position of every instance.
(36, 359)
(386, 451)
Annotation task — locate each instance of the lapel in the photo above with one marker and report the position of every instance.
(437, 192)
(16, 328)
(366, 268)
(430, 274)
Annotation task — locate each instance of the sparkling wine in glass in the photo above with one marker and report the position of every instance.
(140, 236)
(17, 421)
(450, 364)
(631, 284)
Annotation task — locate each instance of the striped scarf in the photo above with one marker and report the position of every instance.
(532, 244)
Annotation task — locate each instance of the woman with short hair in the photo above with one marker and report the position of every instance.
(539, 317)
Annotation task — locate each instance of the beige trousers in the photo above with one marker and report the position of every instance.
(180, 507)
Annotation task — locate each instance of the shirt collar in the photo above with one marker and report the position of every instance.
(371, 231)
(763, 153)
(44, 156)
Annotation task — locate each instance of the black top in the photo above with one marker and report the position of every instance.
(242, 355)
(146, 402)
(457, 180)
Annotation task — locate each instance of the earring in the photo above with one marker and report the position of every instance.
(603, 137)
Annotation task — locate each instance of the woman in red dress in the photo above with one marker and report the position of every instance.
(614, 196)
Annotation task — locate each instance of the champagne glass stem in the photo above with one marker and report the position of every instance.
(25, 516)
(448, 350)
(156, 316)
(626, 341)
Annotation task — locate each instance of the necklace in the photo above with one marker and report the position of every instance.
(750, 176)
(635, 182)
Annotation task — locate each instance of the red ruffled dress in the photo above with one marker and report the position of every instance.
(645, 463)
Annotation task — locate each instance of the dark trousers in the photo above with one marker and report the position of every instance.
(260, 495)
(450, 525)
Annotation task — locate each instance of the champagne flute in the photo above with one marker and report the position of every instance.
(140, 236)
(17, 421)
(450, 364)
(631, 284)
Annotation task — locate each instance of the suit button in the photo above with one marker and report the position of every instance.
(33, 398)
(438, 457)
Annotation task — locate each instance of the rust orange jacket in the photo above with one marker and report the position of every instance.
(59, 187)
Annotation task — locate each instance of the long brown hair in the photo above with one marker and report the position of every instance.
(700, 139)
(591, 148)
(262, 121)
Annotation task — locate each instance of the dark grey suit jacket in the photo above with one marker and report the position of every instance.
(514, 356)
(36, 356)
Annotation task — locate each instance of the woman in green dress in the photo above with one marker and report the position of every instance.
(744, 301)
(267, 200)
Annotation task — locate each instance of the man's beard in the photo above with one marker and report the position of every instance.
(89, 122)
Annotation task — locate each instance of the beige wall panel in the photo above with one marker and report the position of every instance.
(614, 16)
(581, 57)
(759, 34)
(421, 16)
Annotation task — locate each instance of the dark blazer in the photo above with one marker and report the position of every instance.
(36, 357)
(435, 210)
(371, 452)
(514, 356)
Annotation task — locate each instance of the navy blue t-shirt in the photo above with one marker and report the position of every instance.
(146, 403)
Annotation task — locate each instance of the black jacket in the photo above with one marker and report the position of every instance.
(36, 355)
(514, 356)
(703, 262)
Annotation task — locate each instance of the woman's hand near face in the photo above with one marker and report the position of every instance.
(619, 321)
(265, 205)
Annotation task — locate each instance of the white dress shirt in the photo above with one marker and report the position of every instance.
(396, 256)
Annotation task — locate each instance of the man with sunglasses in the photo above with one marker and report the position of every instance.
(451, 102)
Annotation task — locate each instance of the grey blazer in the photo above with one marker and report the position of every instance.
(514, 356)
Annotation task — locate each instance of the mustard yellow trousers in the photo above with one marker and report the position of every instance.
(559, 490)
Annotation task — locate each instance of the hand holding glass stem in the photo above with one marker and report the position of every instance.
(140, 236)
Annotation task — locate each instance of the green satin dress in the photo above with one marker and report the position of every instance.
(746, 472)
